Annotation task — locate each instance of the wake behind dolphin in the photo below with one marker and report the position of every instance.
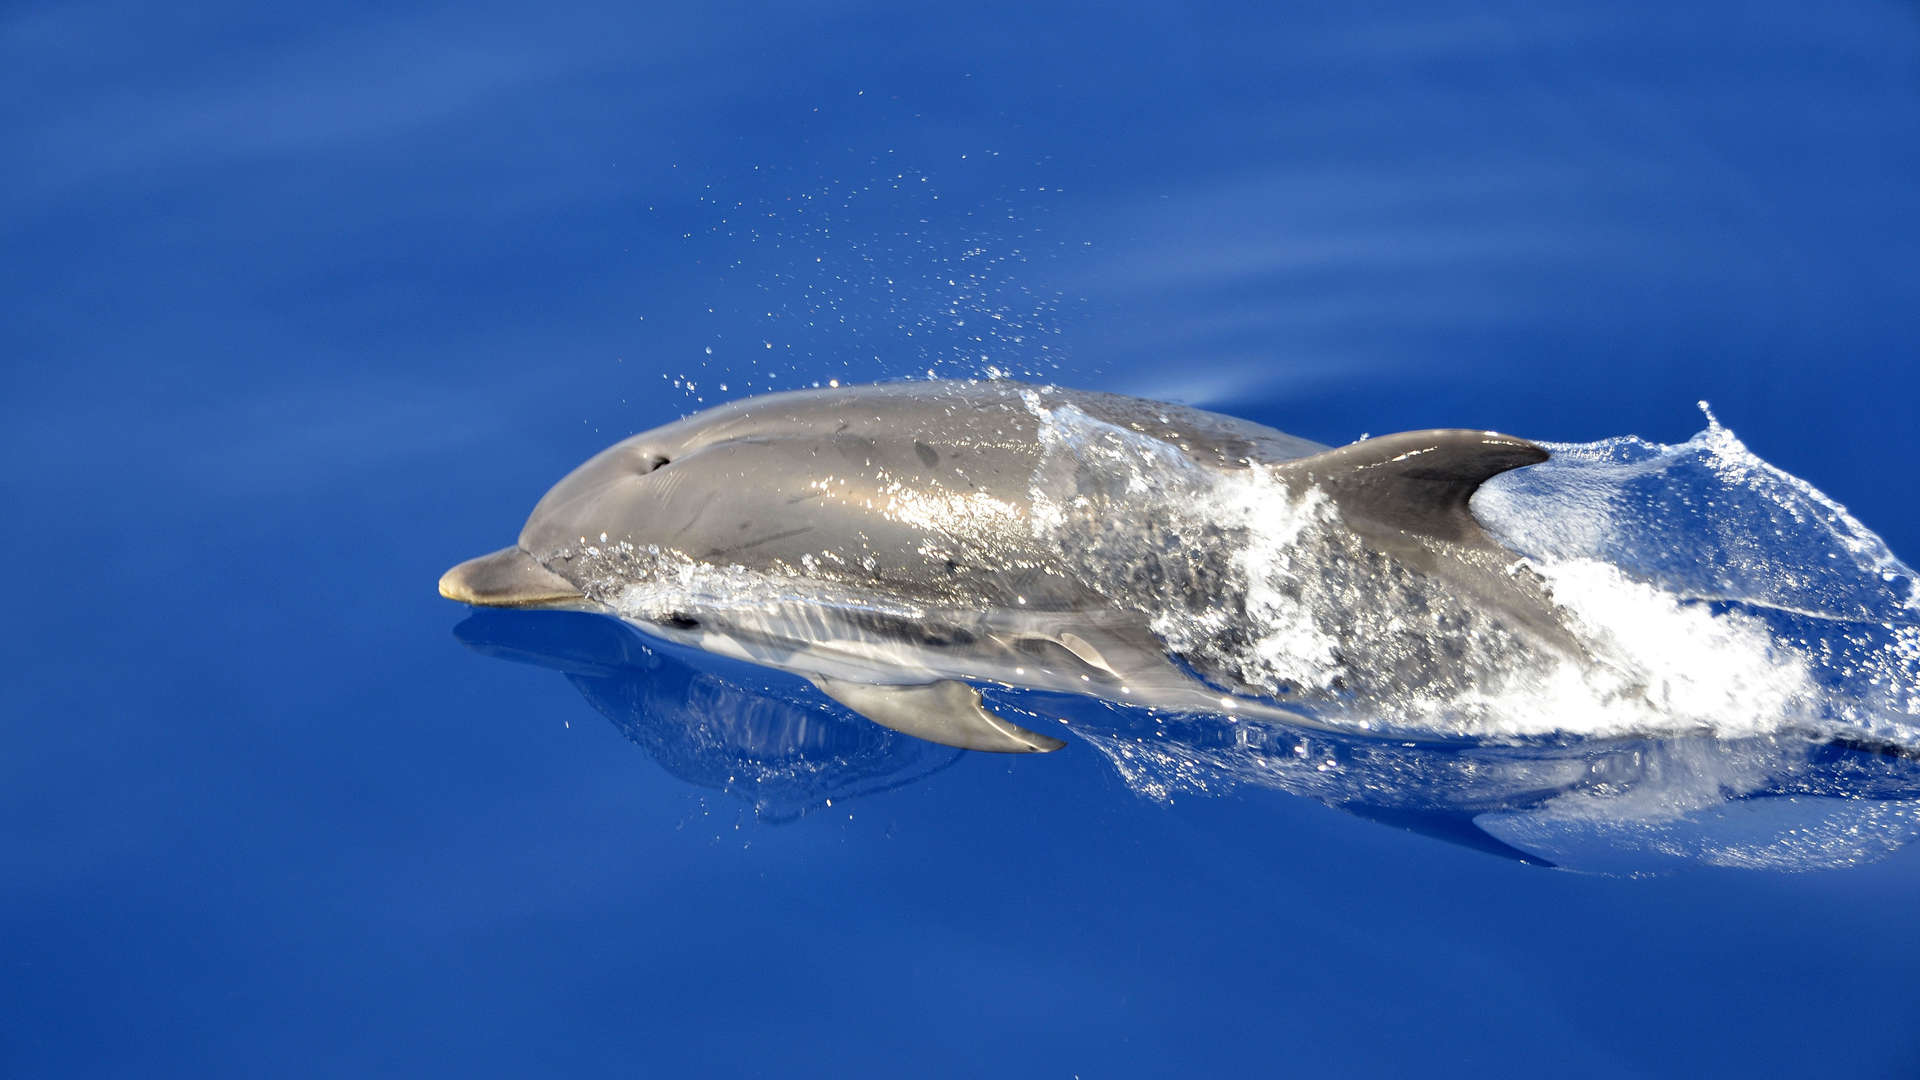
(899, 545)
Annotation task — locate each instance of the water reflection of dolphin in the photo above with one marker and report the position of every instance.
(895, 543)
(1613, 805)
(720, 729)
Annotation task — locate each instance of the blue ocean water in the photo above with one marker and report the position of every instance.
(306, 305)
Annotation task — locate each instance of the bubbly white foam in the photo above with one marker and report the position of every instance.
(649, 583)
(1672, 564)
(1747, 598)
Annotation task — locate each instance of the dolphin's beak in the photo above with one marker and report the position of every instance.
(507, 578)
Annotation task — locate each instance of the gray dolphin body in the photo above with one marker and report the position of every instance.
(894, 542)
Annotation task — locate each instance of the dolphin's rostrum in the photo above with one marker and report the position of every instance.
(893, 543)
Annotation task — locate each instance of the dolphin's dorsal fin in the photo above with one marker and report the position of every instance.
(1417, 481)
(947, 712)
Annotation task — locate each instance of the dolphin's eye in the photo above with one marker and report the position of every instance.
(656, 462)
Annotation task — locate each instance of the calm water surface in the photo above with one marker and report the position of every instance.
(304, 306)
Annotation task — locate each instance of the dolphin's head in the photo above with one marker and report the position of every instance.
(611, 487)
(778, 481)
(701, 485)
(620, 488)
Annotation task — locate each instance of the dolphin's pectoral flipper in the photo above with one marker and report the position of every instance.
(1417, 481)
(947, 712)
(1117, 653)
(1120, 648)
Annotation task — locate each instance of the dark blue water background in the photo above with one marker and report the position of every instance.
(302, 305)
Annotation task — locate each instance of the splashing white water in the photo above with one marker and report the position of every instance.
(1710, 592)
(1761, 602)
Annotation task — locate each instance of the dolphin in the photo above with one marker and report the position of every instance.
(898, 543)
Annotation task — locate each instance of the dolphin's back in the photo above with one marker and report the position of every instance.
(1207, 437)
(925, 488)
(1000, 414)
